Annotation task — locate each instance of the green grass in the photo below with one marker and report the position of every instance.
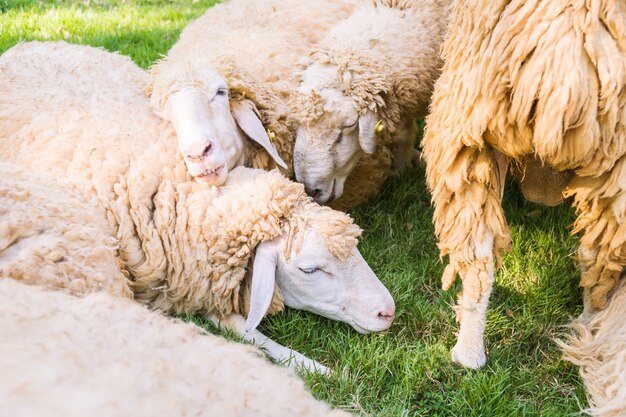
(405, 371)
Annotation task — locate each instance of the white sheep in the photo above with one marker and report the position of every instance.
(63, 356)
(77, 114)
(598, 347)
(361, 89)
(227, 79)
(541, 84)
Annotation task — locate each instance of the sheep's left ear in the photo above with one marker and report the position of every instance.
(263, 278)
(367, 131)
(249, 122)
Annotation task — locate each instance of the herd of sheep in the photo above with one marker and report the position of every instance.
(199, 187)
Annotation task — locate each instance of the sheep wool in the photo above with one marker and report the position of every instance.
(53, 236)
(185, 246)
(63, 356)
(254, 46)
(597, 346)
(544, 80)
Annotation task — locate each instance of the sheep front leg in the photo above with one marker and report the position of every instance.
(467, 184)
(469, 350)
(237, 324)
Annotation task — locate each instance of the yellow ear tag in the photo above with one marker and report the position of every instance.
(380, 126)
(271, 135)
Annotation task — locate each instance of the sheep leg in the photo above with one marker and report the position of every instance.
(469, 350)
(601, 222)
(237, 324)
(467, 185)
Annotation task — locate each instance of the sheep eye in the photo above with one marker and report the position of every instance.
(309, 270)
(339, 138)
(221, 92)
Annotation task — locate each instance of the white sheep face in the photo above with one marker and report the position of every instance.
(327, 150)
(314, 280)
(208, 138)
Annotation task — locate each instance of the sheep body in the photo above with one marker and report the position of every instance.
(538, 80)
(382, 60)
(254, 46)
(52, 235)
(108, 356)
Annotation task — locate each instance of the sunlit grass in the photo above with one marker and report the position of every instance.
(405, 371)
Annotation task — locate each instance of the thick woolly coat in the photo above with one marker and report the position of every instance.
(63, 356)
(539, 80)
(52, 235)
(78, 114)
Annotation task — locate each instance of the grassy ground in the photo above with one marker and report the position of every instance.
(407, 370)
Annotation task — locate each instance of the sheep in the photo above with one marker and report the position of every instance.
(535, 84)
(597, 346)
(227, 78)
(361, 88)
(246, 248)
(108, 356)
(61, 248)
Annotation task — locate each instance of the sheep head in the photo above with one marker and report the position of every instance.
(318, 268)
(333, 131)
(211, 128)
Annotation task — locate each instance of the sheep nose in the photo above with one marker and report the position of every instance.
(208, 149)
(312, 192)
(387, 314)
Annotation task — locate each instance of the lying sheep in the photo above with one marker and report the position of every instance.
(226, 79)
(77, 114)
(597, 346)
(539, 84)
(361, 89)
(42, 239)
(103, 355)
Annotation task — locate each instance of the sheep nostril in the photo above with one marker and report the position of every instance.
(207, 150)
(386, 315)
(315, 192)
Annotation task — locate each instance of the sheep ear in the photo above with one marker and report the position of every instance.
(249, 122)
(263, 278)
(367, 131)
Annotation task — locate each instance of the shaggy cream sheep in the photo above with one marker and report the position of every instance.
(598, 346)
(361, 89)
(56, 236)
(74, 113)
(108, 356)
(227, 78)
(535, 83)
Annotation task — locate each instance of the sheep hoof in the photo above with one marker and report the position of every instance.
(469, 358)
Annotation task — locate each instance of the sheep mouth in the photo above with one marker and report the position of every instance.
(209, 174)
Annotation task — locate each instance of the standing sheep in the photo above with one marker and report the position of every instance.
(539, 84)
(361, 88)
(101, 355)
(227, 78)
(187, 247)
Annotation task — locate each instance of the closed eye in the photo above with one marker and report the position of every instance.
(311, 270)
